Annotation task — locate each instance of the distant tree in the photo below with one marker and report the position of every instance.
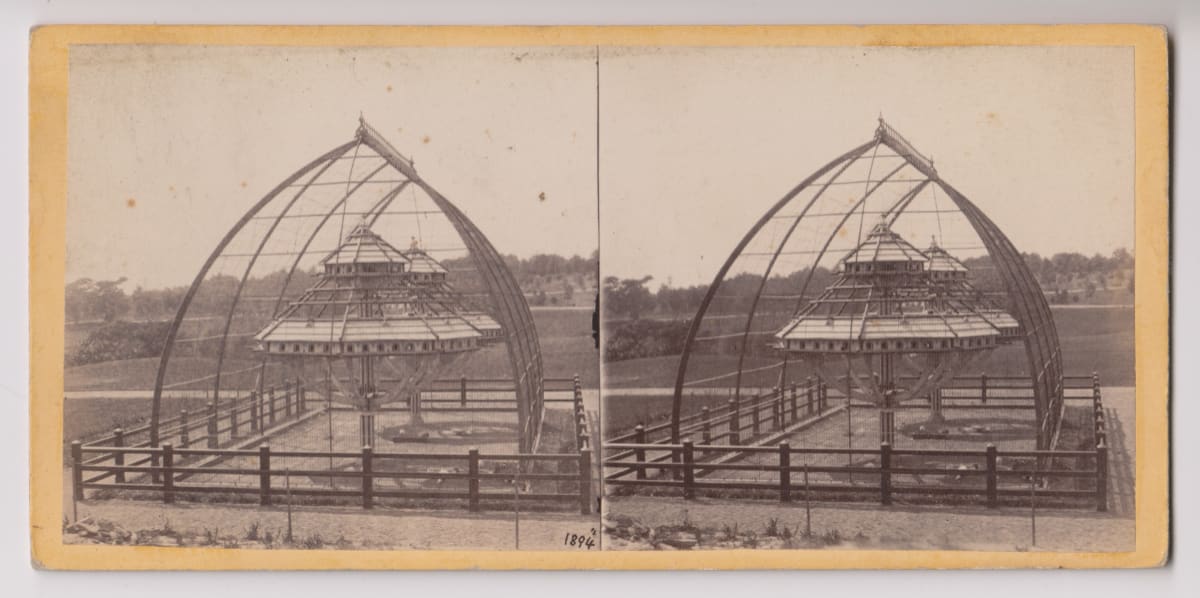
(629, 297)
(88, 299)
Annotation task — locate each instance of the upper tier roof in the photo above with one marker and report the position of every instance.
(941, 261)
(363, 246)
(883, 245)
(420, 262)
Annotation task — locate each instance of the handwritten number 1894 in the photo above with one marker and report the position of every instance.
(586, 542)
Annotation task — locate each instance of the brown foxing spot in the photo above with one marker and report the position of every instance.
(131, 203)
(542, 196)
(425, 139)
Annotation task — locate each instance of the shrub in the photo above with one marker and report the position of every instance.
(121, 340)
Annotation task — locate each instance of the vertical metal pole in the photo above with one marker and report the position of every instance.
(689, 473)
(1033, 505)
(184, 440)
(885, 473)
(517, 510)
(992, 498)
(807, 504)
(254, 416)
(264, 475)
(368, 481)
(287, 486)
(639, 454)
(213, 434)
(785, 472)
(735, 426)
(233, 421)
(1101, 477)
(168, 464)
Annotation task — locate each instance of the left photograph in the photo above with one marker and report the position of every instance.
(335, 298)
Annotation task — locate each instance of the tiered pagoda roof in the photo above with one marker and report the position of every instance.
(891, 297)
(374, 299)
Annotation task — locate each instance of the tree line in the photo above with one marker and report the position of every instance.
(90, 300)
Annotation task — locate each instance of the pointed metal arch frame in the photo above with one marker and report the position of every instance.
(1040, 336)
(511, 310)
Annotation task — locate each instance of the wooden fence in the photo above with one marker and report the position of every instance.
(191, 448)
(254, 412)
(728, 439)
(170, 478)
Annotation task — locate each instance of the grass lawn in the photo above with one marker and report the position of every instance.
(1092, 338)
(565, 336)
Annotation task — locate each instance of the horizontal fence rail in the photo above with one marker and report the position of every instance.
(719, 442)
(569, 475)
(198, 454)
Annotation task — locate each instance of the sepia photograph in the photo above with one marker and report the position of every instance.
(894, 308)
(331, 298)
(375, 297)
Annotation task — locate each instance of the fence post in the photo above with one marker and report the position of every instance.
(585, 481)
(77, 469)
(233, 422)
(473, 479)
(462, 391)
(983, 388)
(735, 426)
(253, 411)
(756, 402)
(271, 405)
(992, 500)
(785, 472)
(168, 464)
(639, 454)
(262, 411)
(119, 457)
(809, 401)
(689, 472)
(822, 395)
(885, 473)
(1101, 477)
(212, 425)
(793, 402)
(287, 399)
(184, 435)
(368, 481)
(264, 475)
(777, 409)
(300, 406)
(705, 426)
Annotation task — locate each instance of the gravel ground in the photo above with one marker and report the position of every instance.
(889, 527)
(354, 528)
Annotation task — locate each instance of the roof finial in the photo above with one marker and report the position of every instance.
(414, 244)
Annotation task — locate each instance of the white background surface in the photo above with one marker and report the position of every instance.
(18, 579)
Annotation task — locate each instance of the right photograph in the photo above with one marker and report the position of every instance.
(867, 298)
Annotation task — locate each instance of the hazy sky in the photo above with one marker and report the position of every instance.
(697, 144)
(169, 145)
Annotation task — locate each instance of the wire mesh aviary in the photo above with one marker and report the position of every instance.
(310, 288)
(828, 282)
